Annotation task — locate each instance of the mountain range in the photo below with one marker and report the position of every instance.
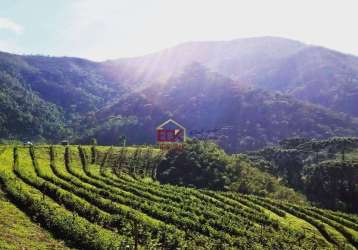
(310, 73)
(254, 92)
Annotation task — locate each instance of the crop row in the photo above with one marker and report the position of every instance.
(74, 229)
(346, 221)
(149, 214)
(317, 220)
(127, 214)
(129, 181)
(136, 161)
(261, 237)
(116, 200)
(199, 207)
(222, 208)
(183, 216)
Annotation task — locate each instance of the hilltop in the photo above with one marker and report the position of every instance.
(307, 72)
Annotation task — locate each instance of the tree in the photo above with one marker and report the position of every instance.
(122, 141)
(334, 184)
(203, 164)
(292, 143)
(93, 151)
(343, 144)
(200, 164)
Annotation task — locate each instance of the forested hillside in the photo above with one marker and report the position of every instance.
(246, 119)
(45, 98)
(325, 170)
(50, 99)
(311, 73)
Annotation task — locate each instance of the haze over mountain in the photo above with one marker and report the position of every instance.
(245, 118)
(310, 73)
(235, 59)
(229, 86)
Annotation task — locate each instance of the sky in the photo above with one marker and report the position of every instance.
(110, 29)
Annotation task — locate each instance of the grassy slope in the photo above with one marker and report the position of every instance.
(24, 233)
(295, 222)
(351, 156)
(289, 220)
(19, 232)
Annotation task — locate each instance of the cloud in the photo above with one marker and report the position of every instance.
(10, 25)
(121, 28)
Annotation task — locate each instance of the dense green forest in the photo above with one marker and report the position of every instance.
(325, 170)
(46, 99)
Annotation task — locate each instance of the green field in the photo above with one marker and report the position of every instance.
(81, 199)
(19, 232)
(351, 156)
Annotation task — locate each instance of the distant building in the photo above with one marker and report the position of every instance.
(65, 143)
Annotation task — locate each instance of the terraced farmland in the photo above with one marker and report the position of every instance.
(82, 199)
